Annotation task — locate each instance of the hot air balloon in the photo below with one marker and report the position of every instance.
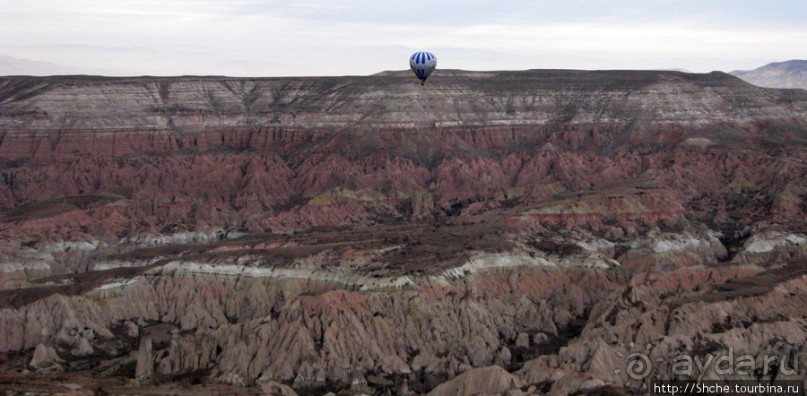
(423, 64)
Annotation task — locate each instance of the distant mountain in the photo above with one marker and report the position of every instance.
(11, 66)
(16, 66)
(789, 74)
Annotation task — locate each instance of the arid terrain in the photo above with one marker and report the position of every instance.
(487, 233)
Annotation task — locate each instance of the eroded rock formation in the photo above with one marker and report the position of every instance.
(503, 232)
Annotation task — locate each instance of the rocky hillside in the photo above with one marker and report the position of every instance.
(504, 231)
(789, 74)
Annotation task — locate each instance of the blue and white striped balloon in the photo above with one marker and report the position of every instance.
(423, 64)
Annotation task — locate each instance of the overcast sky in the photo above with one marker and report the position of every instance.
(358, 37)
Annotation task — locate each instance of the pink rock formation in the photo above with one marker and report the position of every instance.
(495, 232)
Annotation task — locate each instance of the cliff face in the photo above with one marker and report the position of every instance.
(288, 154)
(63, 117)
(374, 234)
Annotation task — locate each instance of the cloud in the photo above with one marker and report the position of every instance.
(329, 37)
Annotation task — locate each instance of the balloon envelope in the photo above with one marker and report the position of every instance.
(423, 64)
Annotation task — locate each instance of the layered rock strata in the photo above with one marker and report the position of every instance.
(501, 232)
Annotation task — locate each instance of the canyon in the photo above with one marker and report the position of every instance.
(520, 232)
